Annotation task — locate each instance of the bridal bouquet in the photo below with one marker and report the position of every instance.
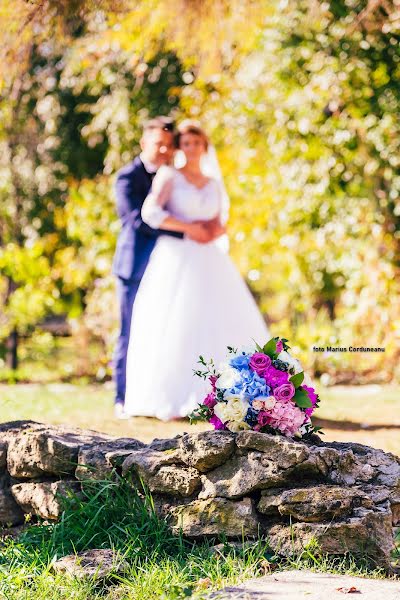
(262, 389)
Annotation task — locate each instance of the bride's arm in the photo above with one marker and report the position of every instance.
(155, 214)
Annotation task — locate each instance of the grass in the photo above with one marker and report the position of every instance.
(366, 414)
(161, 565)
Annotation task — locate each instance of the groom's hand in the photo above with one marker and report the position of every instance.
(215, 228)
(199, 232)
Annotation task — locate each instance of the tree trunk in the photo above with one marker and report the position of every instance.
(12, 350)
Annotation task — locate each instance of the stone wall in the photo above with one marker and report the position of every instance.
(216, 484)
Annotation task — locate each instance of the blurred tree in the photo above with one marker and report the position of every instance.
(300, 98)
(69, 118)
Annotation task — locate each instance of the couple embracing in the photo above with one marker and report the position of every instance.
(180, 294)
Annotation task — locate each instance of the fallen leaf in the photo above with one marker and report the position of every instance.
(350, 590)
(267, 567)
(203, 584)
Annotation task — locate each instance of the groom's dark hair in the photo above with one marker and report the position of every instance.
(163, 123)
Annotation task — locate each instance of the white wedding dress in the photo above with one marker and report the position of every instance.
(191, 301)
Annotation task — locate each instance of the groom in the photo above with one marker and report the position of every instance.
(136, 239)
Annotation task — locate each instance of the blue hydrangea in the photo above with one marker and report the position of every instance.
(240, 362)
(250, 386)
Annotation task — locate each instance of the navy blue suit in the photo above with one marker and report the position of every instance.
(134, 246)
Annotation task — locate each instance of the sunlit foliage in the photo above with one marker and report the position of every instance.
(302, 102)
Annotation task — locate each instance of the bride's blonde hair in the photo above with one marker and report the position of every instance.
(191, 126)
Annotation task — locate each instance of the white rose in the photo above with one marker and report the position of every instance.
(235, 409)
(292, 362)
(228, 378)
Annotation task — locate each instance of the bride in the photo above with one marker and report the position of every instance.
(192, 300)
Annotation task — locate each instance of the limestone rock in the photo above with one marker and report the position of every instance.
(241, 475)
(161, 473)
(10, 429)
(215, 517)
(172, 479)
(91, 564)
(37, 451)
(367, 532)
(146, 461)
(97, 461)
(10, 512)
(343, 496)
(277, 448)
(368, 465)
(44, 499)
(165, 443)
(337, 466)
(313, 504)
(206, 450)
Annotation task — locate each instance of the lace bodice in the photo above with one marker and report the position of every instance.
(174, 195)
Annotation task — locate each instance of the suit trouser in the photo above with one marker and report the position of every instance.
(127, 290)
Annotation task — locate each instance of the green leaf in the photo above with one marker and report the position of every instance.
(297, 379)
(270, 348)
(301, 399)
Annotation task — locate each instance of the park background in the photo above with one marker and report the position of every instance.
(301, 100)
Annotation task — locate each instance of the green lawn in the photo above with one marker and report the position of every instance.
(367, 414)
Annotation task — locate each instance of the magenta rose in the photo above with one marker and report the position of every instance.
(259, 362)
(218, 424)
(285, 392)
(313, 397)
(275, 377)
(210, 400)
(279, 347)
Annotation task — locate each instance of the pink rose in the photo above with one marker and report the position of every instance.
(210, 400)
(285, 392)
(279, 347)
(275, 377)
(218, 424)
(259, 362)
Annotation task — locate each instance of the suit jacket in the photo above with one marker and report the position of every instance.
(136, 239)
